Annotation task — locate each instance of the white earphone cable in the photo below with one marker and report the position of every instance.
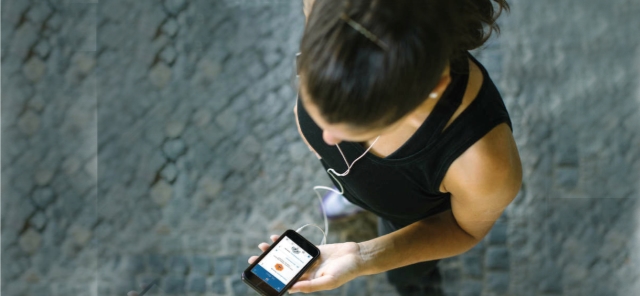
(333, 174)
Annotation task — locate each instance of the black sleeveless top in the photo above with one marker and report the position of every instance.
(404, 187)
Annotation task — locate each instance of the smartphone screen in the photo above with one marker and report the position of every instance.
(282, 264)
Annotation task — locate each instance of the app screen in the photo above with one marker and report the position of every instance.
(284, 261)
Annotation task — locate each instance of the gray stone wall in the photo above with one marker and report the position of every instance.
(154, 139)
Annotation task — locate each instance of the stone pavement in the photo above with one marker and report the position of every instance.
(155, 139)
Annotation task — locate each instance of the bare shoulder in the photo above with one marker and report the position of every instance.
(490, 167)
(483, 181)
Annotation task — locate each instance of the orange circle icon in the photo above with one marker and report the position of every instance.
(279, 267)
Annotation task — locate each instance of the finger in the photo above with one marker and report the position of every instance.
(318, 284)
(263, 246)
(274, 237)
(132, 293)
(251, 260)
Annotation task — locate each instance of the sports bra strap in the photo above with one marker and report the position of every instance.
(450, 100)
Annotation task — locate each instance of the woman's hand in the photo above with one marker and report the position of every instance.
(338, 264)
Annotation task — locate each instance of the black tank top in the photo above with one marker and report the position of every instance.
(404, 187)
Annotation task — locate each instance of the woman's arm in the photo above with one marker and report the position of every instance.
(433, 238)
(482, 182)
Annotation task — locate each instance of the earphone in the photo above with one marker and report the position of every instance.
(333, 174)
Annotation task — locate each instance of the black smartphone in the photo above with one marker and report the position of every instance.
(278, 268)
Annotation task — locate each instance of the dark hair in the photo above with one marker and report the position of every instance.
(356, 81)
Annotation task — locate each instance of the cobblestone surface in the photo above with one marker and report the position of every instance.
(151, 140)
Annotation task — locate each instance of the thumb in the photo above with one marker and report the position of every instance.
(318, 284)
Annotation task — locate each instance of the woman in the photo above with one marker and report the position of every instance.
(393, 81)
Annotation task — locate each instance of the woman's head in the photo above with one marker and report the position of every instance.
(353, 81)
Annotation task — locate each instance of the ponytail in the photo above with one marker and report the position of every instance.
(477, 21)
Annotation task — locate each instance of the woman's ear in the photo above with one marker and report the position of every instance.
(445, 79)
